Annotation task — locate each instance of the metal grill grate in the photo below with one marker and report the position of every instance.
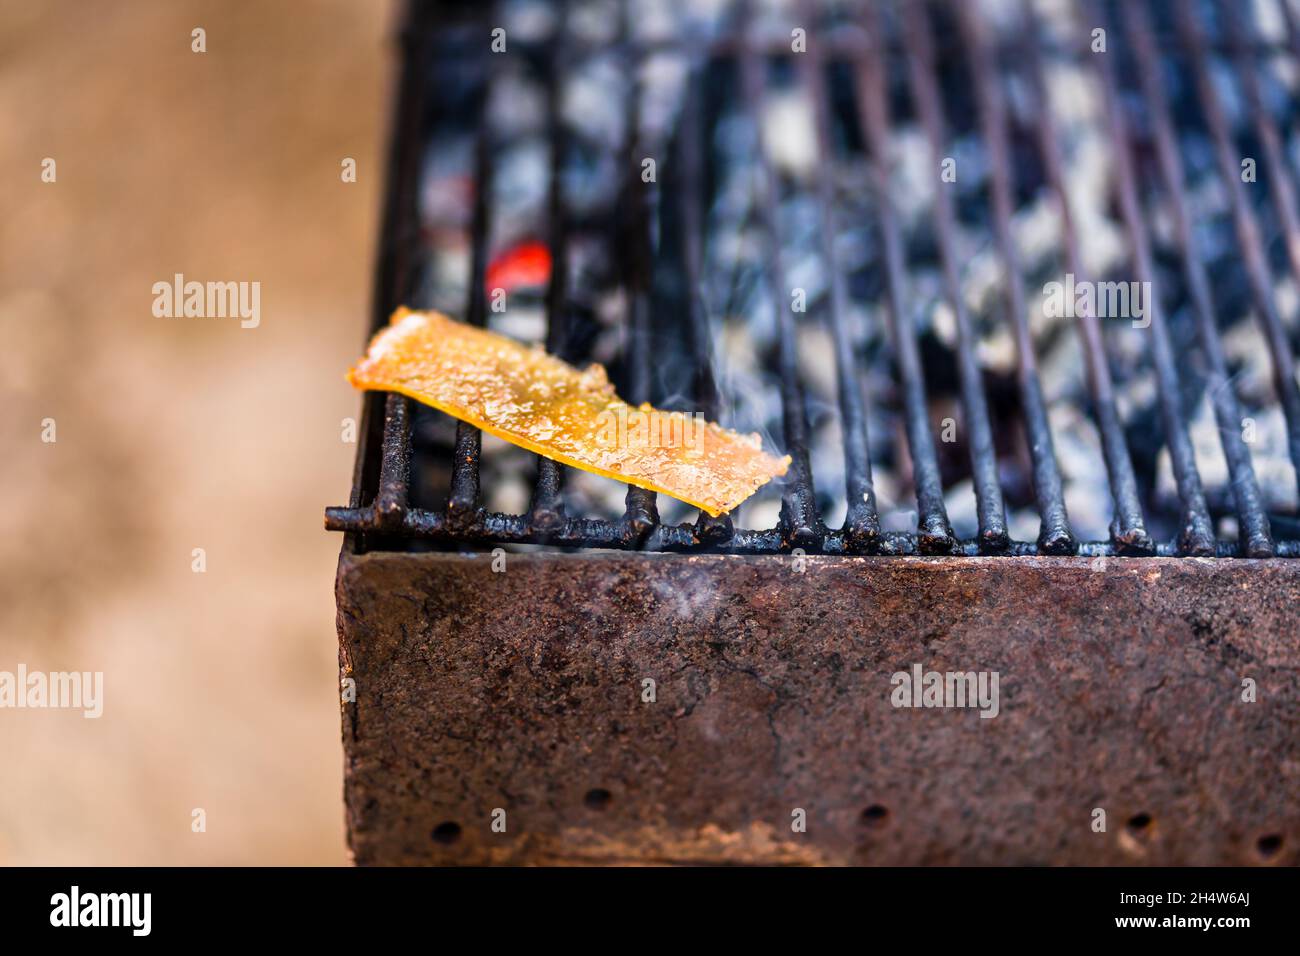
(867, 71)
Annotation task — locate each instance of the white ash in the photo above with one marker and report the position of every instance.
(1287, 297)
(817, 360)
(827, 461)
(911, 175)
(761, 511)
(789, 135)
(1204, 433)
(959, 498)
(507, 476)
(594, 98)
(525, 322)
(444, 200)
(1083, 471)
(594, 21)
(1273, 467)
(1268, 452)
(530, 21)
(519, 191)
(1247, 353)
(1062, 372)
(517, 103)
(663, 81)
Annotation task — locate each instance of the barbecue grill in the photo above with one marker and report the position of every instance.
(829, 223)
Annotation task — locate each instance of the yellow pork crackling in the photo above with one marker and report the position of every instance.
(535, 400)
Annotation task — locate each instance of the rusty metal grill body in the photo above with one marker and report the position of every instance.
(480, 691)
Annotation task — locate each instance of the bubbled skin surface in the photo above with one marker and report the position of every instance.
(535, 400)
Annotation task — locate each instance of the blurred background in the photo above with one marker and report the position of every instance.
(220, 688)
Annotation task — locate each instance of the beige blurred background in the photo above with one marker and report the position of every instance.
(221, 688)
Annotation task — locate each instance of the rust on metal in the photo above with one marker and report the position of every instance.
(614, 708)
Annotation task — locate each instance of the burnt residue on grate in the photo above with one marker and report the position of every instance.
(861, 230)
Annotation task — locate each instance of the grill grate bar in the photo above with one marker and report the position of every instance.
(983, 457)
(492, 528)
(389, 516)
(1252, 246)
(1196, 536)
(1128, 530)
(547, 509)
(393, 495)
(1054, 536)
(396, 276)
(464, 497)
(933, 529)
(1256, 538)
(633, 244)
(799, 515)
(690, 206)
(861, 521)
